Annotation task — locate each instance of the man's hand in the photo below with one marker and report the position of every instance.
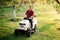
(31, 17)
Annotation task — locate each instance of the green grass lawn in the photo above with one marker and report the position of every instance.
(46, 28)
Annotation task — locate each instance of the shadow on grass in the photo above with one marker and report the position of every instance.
(13, 37)
(15, 20)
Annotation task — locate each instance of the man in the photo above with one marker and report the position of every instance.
(29, 15)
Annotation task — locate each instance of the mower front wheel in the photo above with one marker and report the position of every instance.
(16, 32)
(28, 33)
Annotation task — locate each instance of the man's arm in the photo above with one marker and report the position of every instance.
(26, 12)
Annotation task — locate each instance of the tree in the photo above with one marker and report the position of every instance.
(14, 9)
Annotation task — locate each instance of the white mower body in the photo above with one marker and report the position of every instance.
(25, 24)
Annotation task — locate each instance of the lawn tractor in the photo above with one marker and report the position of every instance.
(25, 27)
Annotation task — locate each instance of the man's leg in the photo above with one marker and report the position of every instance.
(30, 20)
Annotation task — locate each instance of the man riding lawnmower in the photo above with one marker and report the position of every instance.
(28, 25)
(29, 15)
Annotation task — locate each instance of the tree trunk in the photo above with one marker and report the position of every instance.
(58, 2)
(14, 10)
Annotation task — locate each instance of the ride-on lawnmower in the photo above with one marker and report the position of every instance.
(25, 27)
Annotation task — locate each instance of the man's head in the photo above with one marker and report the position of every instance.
(30, 7)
